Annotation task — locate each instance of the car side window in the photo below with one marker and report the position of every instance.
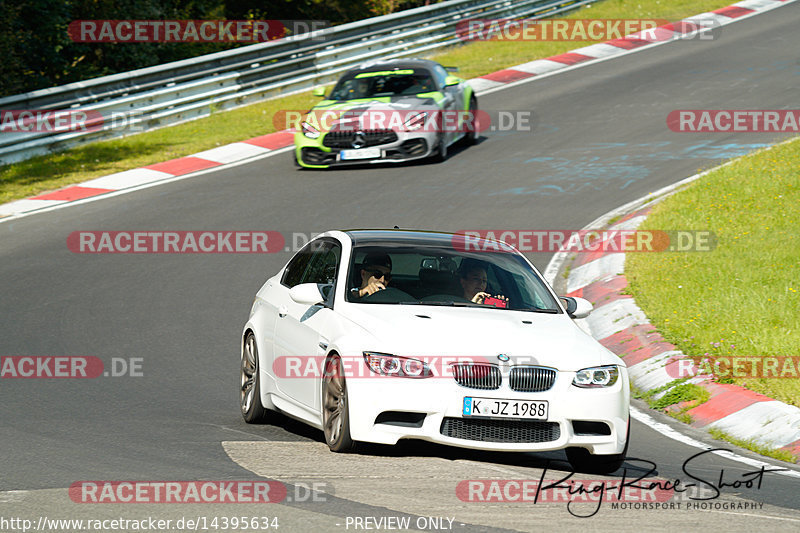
(323, 264)
(317, 262)
(441, 76)
(293, 275)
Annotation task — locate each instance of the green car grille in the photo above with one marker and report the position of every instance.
(345, 139)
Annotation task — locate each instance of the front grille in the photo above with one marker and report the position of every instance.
(344, 139)
(477, 376)
(500, 430)
(531, 378)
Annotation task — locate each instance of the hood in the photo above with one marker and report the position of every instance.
(415, 330)
(370, 113)
(383, 102)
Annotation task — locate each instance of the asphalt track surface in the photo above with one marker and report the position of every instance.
(599, 139)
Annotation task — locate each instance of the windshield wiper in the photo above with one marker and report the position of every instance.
(448, 303)
(538, 310)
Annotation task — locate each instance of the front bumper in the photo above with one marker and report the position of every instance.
(408, 146)
(385, 410)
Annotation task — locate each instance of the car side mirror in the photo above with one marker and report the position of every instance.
(577, 307)
(452, 80)
(307, 294)
(318, 91)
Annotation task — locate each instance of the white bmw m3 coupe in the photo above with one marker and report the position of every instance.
(381, 335)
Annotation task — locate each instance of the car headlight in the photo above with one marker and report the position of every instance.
(309, 131)
(599, 376)
(393, 365)
(416, 121)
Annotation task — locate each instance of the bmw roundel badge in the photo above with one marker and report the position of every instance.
(503, 357)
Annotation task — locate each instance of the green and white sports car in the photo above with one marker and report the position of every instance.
(388, 111)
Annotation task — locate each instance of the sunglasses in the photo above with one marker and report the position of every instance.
(378, 274)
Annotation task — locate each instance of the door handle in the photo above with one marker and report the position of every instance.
(283, 311)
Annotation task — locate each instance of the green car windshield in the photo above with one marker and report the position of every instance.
(407, 82)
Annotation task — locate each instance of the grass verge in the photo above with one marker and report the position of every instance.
(775, 453)
(50, 172)
(741, 298)
(677, 400)
(483, 57)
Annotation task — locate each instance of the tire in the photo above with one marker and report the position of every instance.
(583, 461)
(471, 137)
(441, 150)
(335, 407)
(250, 405)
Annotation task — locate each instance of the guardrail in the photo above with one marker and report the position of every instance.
(193, 88)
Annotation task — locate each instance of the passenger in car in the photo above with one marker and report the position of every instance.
(474, 279)
(375, 272)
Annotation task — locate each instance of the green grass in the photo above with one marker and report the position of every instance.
(50, 172)
(775, 453)
(742, 298)
(687, 392)
(479, 58)
(679, 391)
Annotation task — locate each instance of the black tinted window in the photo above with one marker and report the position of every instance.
(297, 267)
(317, 262)
(403, 82)
(322, 267)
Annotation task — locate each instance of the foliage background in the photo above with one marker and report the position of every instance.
(36, 51)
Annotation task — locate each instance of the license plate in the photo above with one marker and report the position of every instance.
(527, 409)
(362, 153)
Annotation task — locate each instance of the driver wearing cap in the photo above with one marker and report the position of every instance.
(376, 272)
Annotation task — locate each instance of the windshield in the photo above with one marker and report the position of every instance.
(378, 84)
(436, 275)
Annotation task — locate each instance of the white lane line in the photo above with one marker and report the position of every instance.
(667, 431)
(13, 496)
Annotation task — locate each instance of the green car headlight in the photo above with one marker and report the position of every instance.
(309, 131)
(416, 121)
